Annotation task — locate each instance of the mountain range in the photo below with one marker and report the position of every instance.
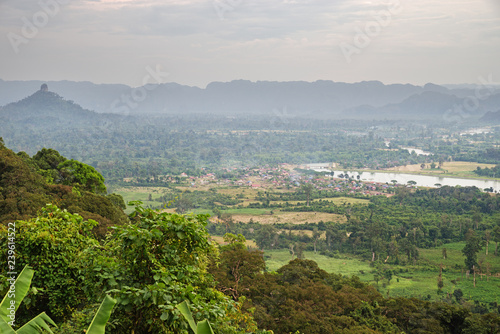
(320, 99)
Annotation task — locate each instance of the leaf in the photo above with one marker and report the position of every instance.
(5, 328)
(186, 312)
(204, 327)
(35, 325)
(22, 285)
(98, 325)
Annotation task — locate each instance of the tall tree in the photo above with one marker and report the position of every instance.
(472, 247)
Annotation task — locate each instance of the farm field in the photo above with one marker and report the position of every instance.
(461, 169)
(279, 217)
(334, 200)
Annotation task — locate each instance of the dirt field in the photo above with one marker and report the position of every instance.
(304, 232)
(220, 241)
(291, 218)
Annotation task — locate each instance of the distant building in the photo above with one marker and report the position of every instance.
(44, 88)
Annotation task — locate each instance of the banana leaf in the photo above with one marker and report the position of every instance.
(35, 325)
(203, 327)
(98, 325)
(5, 328)
(22, 285)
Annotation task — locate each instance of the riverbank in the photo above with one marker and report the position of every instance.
(455, 169)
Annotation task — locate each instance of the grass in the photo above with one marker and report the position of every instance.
(346, 265)
(456, 258)
(140, 194)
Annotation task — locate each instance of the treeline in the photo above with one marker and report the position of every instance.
(489, 172)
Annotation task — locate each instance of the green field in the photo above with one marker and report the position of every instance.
(139, 194)
(412, 281)
(346, 265)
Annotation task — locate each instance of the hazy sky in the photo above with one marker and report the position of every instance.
(199, 41)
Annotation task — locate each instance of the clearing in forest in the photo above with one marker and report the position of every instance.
(291, 218)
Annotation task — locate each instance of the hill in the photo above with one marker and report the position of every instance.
(491, 117)
(46, 108)
(24, 191)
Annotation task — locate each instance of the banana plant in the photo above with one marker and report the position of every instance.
(11, 302)
(41, 322)
(203, 327)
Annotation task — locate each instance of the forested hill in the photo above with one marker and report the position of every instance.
(47, 109)
(28, 184)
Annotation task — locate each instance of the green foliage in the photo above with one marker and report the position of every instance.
(23, 192)
(73, 172)
(52, 245)
(47, 162)
(117, 200)
(203, 327)
(11, 302)
(237, 266)
(472, 247)
(153, 264)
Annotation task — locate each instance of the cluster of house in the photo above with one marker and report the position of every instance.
(285, 177)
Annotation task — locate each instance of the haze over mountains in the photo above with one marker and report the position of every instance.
(320, 99)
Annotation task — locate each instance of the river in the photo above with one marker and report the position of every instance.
(422, 180)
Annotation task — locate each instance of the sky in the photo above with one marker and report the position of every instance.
(195, 42)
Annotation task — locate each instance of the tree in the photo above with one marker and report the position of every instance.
(117, 200)
(266, 237)
(237, 266)
(77, 173)
(496, 238)
(47, 161)
(487, 238)
(183, 204)
(316, 235)
(440, 283)
(473, 245)
(308, 189)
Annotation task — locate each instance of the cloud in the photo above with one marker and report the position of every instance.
(113, 40)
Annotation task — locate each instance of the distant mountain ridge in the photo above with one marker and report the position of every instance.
(492, 117)
(319, 99)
